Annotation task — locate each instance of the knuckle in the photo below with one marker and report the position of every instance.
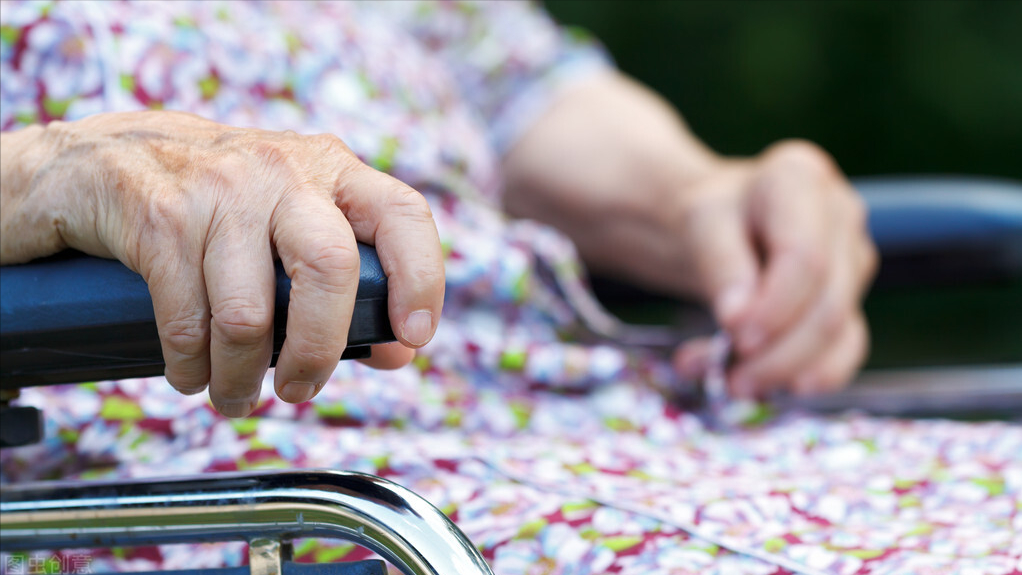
(242, 321)
(316, 357)
(187, 336)
(409, 203)
(330, 143)
(803, 155)
(327, 261)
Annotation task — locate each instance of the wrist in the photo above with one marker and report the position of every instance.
(18, 165)
(28, 217)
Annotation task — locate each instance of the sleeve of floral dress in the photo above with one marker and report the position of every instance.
(507, 58)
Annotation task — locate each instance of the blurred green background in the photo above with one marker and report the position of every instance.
(888, 87)
(898, 86)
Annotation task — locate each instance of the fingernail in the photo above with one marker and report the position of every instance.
(236, 408)
(732, 301)
(418, 328)
(751, 339)
(298, 391)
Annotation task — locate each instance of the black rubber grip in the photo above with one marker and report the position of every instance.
(73, 318)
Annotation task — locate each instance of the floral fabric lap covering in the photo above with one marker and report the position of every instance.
(553, 455)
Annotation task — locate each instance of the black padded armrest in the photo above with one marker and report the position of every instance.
(73, 318)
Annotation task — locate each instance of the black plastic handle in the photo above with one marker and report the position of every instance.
(73, 318)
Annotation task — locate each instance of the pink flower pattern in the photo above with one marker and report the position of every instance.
(556, 454)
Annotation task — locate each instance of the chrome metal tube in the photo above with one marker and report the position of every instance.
(378, 514)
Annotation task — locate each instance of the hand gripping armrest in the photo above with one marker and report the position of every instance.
(73, 318)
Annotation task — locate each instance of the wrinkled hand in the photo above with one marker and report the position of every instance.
(778, 246)
(201, 210)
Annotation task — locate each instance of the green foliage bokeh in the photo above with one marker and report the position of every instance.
(888, 87)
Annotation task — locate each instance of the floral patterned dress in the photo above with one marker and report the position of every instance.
(554, 456)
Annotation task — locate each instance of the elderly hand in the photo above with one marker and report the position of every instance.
(776, 244)
(201, 210)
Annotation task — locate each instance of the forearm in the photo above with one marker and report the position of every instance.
(605, 164)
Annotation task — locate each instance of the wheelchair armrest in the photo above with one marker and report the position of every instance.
(944, 230)
(73, 318)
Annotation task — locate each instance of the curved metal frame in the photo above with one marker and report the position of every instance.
(367, 510)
